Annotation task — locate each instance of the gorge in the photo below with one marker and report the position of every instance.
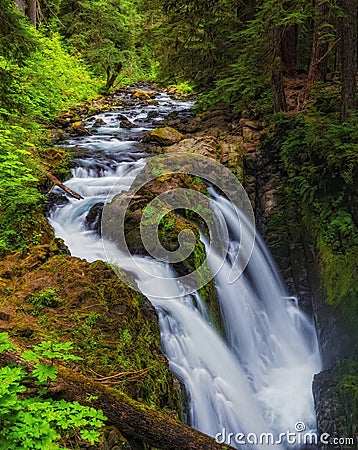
(258, 378)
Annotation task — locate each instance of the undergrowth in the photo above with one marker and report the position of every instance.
(29, 418)
(34, 89)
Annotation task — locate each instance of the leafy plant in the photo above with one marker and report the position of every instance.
(36, 87)
(32, 421)
(184, 88)
(48, 297)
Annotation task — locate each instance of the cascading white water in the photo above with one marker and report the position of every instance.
(273, 340)
(259, 380)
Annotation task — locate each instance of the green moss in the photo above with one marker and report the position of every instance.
(208, 291)
(338, 273)
(112, 327)
(315, 153)
(348, 391)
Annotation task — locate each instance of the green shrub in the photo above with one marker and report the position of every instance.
(36, 421)
(48, 81)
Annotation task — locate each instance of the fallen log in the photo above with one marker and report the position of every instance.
(132, 418)
(57, 182)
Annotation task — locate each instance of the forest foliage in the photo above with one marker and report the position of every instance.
(32, 420)
(237, 54)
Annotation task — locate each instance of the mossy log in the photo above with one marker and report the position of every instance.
(132, 418)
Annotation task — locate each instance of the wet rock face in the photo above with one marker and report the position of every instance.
(93, 218)
(294, 252)
(330, 412)
(293, 249)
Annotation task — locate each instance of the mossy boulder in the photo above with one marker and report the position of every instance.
(142, 95)
(134, 208)
(51, 296)
(78, 129)
(164, 136)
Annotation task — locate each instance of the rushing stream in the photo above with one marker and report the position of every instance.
(256, 381)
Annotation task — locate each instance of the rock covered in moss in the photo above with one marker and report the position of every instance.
(164, 136)
(78, 129)
(144, 95)
(112, 327)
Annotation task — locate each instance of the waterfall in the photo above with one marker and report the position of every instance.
(274, 342)
(257, 379)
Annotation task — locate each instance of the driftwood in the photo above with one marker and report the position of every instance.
(57, 182)
(134, 419)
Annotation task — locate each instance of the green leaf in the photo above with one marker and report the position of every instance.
(30, 356)
(91, 436)
(5, 344)
(44, 372)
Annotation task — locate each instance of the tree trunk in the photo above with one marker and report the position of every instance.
(278, 92)
(112, 76)
(318, 66)
(32, 11)
(277, 87)
(289, 50)
(348, 41)
(131, 417)
(21, 5)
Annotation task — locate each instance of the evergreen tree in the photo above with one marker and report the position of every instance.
(348, 37)
(195, 40)
(104, 33)
(17, 40)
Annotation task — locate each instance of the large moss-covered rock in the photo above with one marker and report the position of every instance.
(226, 150)
(52, 296)
(134, 206)
(164, 136)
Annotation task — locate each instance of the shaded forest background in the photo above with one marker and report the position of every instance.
(292, 63)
